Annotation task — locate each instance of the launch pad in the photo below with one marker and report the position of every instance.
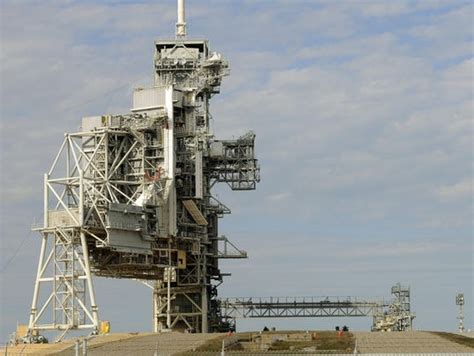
(130, 196)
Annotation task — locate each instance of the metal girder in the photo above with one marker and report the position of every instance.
(295, 307)
(395, 315)
(233, 162)
(65, 268)
(133, 193)
(226, 249)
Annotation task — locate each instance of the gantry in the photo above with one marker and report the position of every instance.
(391, 315)
(130, 196)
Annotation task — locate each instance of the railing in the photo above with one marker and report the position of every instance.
(278, 307)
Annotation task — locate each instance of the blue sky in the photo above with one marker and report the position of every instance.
(364, 120)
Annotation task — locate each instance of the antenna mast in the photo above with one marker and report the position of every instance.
(181, 24)
(460, 302)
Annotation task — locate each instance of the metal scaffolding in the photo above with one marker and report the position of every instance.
(129, 196)
(201, 162)
(460, 303)
(298, 307)
(387, 316)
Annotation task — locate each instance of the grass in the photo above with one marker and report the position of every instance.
(459, 339)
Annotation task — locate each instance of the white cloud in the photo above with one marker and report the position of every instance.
(319, 247)
(363, 117)
(278, 197)
(382, 8)
(383, 43)
(462, 190)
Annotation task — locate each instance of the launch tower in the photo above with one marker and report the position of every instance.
(130, 196)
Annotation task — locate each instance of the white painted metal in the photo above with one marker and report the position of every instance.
(460, 303)
(168, 299)
(70, 303)
(148, 99)
(34, 304)
(199, 176)
(119, 210)
(170, 161)
(181, 23)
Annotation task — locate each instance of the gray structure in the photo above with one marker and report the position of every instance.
(298, 307)
(129, 196)
(460, 303)
(398, 316)
(387, 316)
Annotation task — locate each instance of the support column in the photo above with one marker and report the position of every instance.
(34, 303)
(168, 299)
(85, 253)
(156, 325)
(90, 286)
(204, 308)
(204, 295)
(44, 242)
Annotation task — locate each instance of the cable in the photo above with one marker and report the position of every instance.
(16, 252)
(110, 92)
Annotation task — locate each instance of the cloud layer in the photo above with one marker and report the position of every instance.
(364, 122)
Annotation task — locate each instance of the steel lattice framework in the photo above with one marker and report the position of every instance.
(395, 315)
(296, 307)
(129, 196)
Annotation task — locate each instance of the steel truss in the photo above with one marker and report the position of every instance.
(297, 307)
(129, 196)
(398, 316)
(201, 162)
(83, 191)
(72, 301)
(395, 315)
(64, 256)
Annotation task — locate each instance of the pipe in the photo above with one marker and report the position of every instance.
(180, 11)
(181, 24)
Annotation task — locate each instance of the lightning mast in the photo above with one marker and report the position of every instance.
(181, 24)
(130, 196)
(460, 303)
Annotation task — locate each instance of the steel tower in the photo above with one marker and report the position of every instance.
(129, 196)
(460, 303)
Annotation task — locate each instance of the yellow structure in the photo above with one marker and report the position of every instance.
(104, 327)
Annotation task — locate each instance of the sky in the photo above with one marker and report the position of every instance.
(363, 112)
